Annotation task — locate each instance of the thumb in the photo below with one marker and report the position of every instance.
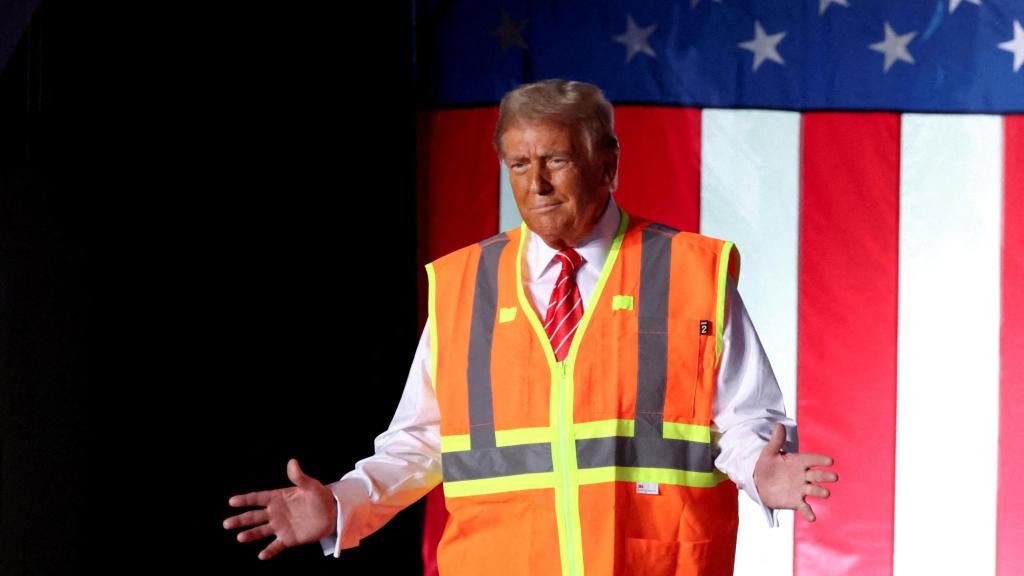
(777, 440)
(297, 476)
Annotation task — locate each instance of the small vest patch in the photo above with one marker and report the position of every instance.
(705, 327)
(506, 314)
(646, 487)
(622, 302)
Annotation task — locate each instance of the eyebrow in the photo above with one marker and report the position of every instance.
(543, 154)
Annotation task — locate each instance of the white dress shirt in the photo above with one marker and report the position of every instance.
(407, 457)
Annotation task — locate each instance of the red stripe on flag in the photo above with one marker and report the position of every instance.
(457, 196)
(659, 176)
(457, 172)
(457, 179)
(1010, 507)
(849, 238)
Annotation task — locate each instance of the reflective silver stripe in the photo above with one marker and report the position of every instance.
(652, 338)
(493, 462)
(478, 372)
(644, 453)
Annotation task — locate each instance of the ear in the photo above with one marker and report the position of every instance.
(610, 169)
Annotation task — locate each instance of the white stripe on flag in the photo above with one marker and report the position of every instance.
(508, 217)
(948, 345)
(750, 195)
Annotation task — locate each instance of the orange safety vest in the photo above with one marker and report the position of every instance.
(603, 463)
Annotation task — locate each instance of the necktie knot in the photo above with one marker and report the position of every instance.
(570, 258)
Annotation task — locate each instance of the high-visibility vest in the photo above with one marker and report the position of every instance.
(602, 463)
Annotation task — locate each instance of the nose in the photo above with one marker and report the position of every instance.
(539, 182)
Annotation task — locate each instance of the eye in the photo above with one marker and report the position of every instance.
(556, 162)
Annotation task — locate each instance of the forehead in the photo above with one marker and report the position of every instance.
(539, 137)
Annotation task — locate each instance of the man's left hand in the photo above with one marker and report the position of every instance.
(784, 480)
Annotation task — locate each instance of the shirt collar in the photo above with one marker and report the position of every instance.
(594, 248)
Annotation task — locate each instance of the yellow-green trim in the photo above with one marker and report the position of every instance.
(606, 271)
(455, 443)
(520, 436)
(582, 431)
(541, 480)
(691, 432)
(604, 428)
(622, 302)
(432, 322)
(514, 437)
(563, 443)
(659, 475)
(723, 272)
(557, 475)
(576, 533)
(501, 484)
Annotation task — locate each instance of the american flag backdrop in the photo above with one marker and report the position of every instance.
(866, 158)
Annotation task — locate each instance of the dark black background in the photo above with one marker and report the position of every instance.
(207, 266)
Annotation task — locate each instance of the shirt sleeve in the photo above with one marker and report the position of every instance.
(406, 463)
(748, 402)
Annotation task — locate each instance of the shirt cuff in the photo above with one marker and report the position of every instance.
(352, 499)
(741, 469)
(746, 472)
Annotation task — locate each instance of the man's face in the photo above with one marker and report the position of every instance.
(560, 188)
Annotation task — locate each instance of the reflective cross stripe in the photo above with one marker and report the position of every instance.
(493, 462)
(644, 452)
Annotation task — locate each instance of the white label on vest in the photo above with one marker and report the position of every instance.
(646, 487)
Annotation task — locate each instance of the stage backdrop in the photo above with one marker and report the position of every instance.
(865, 157)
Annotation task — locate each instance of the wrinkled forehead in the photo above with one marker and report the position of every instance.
(524, 136)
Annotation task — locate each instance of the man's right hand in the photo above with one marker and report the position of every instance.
(301, 514)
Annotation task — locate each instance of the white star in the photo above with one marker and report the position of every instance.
(510, 31)
(1016, 46)
(764, 46)
(693, 3)
(635, 39)
(894, 47)
(826, 3)
(954, 3)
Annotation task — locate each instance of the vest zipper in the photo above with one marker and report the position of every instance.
(563, 432)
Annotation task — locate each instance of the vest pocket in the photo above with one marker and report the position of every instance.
(651, 557)
(702, 344)
(665, 558)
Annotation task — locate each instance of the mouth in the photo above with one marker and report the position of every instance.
(545, 208)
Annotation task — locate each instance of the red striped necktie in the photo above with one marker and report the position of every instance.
(565, 310)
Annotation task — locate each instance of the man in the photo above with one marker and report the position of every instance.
(593, 382)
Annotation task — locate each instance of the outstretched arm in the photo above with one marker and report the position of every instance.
(750, 415)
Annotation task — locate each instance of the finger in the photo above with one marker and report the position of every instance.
(816, 491)
(250, 518)
(257, 533)
(272, 550)
(822, 476)
(808, 460)
(805, 510)
(250, 499)
(776, 441)
(297, 476)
